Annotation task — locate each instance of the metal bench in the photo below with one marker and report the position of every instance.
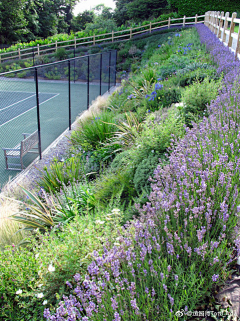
(26, 146)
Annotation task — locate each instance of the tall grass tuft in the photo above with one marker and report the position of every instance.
(8, 227)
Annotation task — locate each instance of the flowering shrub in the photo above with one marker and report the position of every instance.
(186, 236)
(35, 276)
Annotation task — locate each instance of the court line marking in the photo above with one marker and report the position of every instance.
(27, 92)
(17, 102)
(25, 98)
(28, 110)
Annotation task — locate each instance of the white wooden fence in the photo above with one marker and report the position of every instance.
(93, 40)
(223, 26)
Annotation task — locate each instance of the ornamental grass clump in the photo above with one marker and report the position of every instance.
(183, 245)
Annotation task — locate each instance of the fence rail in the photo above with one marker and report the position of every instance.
(223, 27)
(92, 40)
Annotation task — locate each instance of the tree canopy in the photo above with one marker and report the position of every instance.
(193, 7)
(24, 20)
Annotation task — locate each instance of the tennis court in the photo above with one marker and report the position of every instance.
(65, 88)
(18, 112)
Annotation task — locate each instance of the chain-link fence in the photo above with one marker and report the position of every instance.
(39, 103)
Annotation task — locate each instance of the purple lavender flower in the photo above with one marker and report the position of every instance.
(117, 317)
(165, 287)
(215, 277)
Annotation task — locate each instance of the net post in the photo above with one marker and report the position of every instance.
(109, 70)
(38, 115)
(74, 64)
(100, 78)
(69, 94)
(33, 56)
(88, 85)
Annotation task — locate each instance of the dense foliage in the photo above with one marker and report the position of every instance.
(186, 237)
(83, 251)
(191, 8)
(138, 10)
(25, 20)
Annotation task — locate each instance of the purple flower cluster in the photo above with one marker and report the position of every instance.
(154, 93)
(182, 230)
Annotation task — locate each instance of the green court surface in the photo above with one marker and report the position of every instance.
(18, 113)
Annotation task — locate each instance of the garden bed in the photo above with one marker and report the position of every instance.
(115, 261)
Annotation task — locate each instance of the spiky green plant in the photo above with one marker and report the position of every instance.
(36, 215)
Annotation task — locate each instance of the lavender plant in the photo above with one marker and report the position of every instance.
(186, 237)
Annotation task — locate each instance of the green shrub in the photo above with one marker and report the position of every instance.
(121, 161)
(117, 185)
(93, 131)
(60, 54)
(74, 200)
(61, 174)
(21, 74)
(53, 74)
(68, 251)
(196, 97)
(157, 133)
(190, 77)
(27, 64)
(143, 171)
(168, 96)
(123, 53)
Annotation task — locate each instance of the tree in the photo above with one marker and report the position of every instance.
(102, 20)
(32, 19)
(121, 14)
(103, 12)
(190, 8)
(54, 16)
(79, 22)
(138, 10)
(13, 23)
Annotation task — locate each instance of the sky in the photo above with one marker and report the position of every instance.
(89, 4)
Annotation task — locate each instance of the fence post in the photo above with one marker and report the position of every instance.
(115, 68)
(94, 39)
(215, 22)
(210, 20)
(196, 19)
(88, 85)
(19, 53)
(56, 45)
(112, 36)
(74, 71)
(225, 26)
(38, 51)
(0, 58)
(232, 26)
(150, 28)
(109, 70)
(69, 95)
(169, 22)
(38, 115)
(184, 21)
(218, 22)
(100, 78)
(238, 45)
(220, 25)
(75, 43)
(131, 33)
(207, 17)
